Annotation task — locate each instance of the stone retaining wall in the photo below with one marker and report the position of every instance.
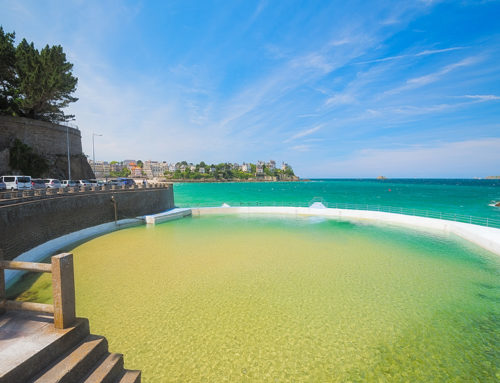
(27, 224)
(44, 137)
(48, 140)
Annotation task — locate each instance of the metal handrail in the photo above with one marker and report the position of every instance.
(482, 221)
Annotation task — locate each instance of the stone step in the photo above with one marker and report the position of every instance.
(77, 363)
(35, 344)
(108, 370)
(131, 376)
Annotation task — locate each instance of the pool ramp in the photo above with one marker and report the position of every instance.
(167, 215)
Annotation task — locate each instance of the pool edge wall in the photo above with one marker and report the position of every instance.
(486, 237)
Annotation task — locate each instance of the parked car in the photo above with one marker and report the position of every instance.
(69, 183)
(3, 186)
(116, 182)
(127, 181)
(17, 182)
(83, 183)
(52, 183)
(37, 183)
(94, 182)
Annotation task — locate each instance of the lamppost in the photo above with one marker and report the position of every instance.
(67, 144)
(93, 150)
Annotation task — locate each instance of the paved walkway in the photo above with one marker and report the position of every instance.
(22, 335)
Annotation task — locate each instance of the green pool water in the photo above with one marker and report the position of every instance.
(280, 299)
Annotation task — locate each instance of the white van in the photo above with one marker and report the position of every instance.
(68, 183)
(17, 182)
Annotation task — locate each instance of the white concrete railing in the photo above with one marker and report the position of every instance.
(481, 221)
(485, 237)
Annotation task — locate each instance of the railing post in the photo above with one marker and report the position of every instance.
(63, 290)
(2, 286)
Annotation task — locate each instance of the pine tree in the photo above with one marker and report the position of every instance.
(45, 82)
(8, 80)
(35, 84)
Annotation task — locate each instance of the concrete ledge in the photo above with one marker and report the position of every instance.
(167, 215)
(485, 237)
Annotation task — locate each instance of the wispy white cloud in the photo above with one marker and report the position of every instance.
(301, 148)
(340, 99)
(308, 115)
(420, 110)
(313, 60)
(399, 57)
(304, 133)
(483, 97)
(339, 42)
(430, 2)
(432, 77)
(435, 51)
(420, 81)
(384, 59)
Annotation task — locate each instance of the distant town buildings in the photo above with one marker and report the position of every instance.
(160, 169)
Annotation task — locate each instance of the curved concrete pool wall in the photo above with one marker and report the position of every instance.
(485, 237)
(64, 242)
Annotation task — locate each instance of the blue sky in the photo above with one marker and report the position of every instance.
(335, 88)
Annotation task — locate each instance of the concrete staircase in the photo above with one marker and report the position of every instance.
(73, 356)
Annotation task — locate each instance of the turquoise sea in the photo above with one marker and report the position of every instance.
(465, 197)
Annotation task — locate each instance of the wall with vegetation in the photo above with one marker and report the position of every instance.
(46, 140)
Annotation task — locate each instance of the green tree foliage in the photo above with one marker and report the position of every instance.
(225, 171)
(8, 79)
(140, 164)
(35, 84)
(125, 172)
(24, 159)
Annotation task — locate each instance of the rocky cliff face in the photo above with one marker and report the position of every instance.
(58, 167)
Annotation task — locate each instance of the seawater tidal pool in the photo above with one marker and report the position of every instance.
(254, 298)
